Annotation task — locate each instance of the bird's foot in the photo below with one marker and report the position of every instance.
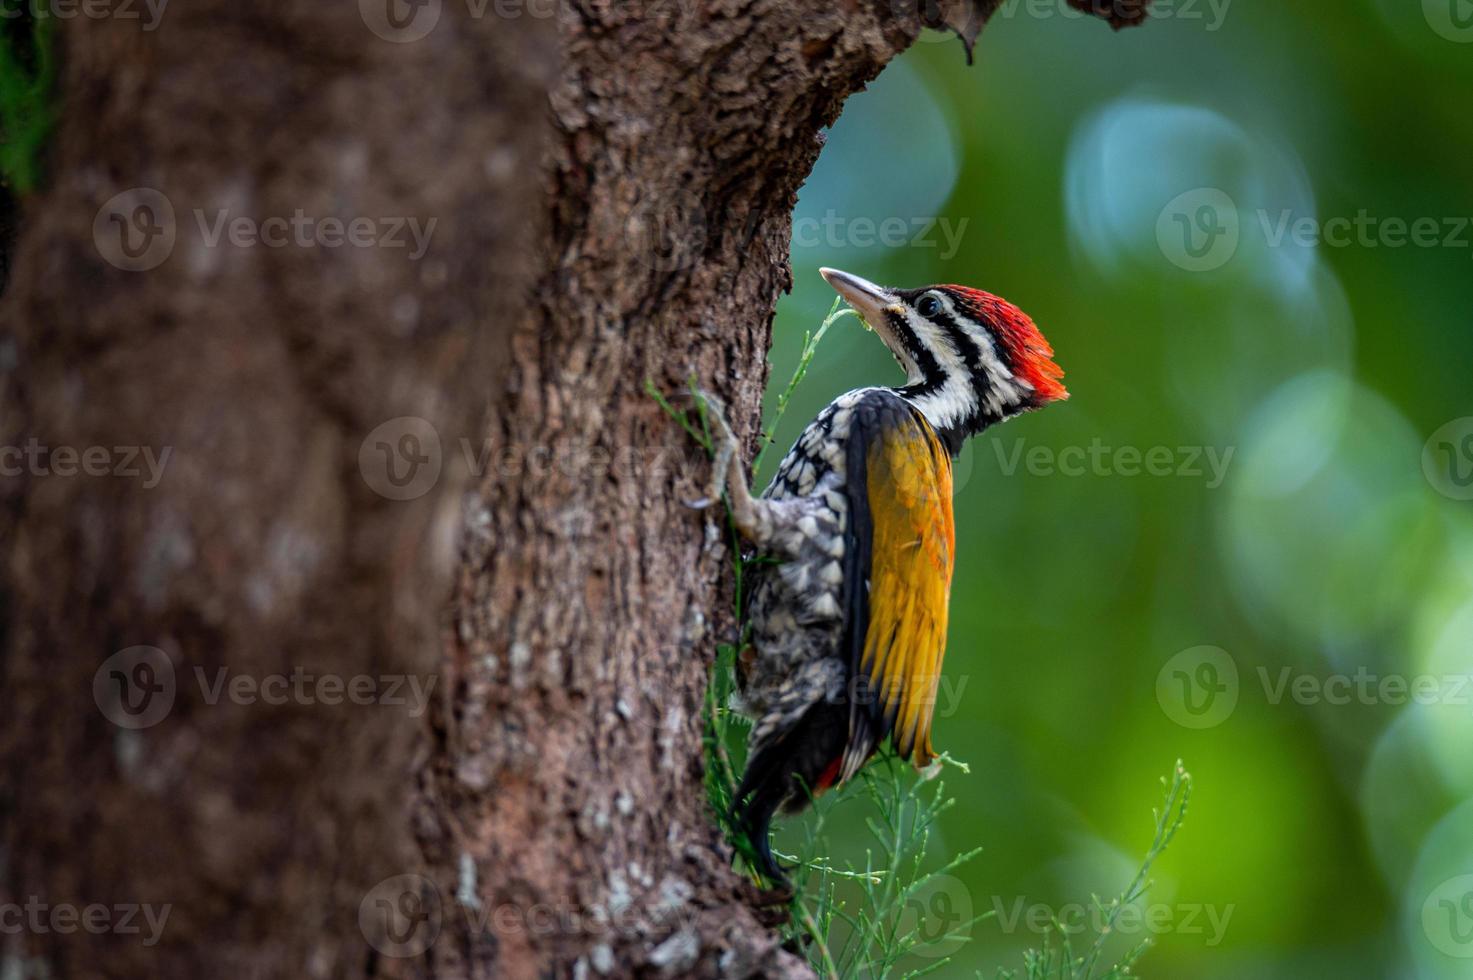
(723, 447)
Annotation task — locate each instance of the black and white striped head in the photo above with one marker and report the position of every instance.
(970, 358)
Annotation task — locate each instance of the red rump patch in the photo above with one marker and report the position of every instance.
(829, 775)
(1026, 349)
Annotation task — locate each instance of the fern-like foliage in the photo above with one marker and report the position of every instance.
(1059, 962)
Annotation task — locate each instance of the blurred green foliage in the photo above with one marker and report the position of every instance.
(27, 74)
(1264, 601)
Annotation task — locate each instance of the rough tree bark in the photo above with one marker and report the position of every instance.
(553, 819)
(566, 776)
(263, 549)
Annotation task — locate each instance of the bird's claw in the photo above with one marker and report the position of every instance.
(724, 446)
(715, 411)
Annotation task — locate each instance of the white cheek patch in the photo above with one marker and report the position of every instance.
(955, 401)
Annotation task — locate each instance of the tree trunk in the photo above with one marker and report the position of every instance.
(254, 377)
(566, 776)
(312, 508)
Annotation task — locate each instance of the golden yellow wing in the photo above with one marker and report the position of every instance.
(898, 621)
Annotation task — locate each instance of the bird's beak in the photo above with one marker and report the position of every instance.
(870, 300)
(875, 304)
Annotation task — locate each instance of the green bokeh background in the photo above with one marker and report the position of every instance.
(1332, 836)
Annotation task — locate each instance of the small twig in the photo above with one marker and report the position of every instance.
(805, 357)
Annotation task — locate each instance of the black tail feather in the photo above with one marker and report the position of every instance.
(784, 773)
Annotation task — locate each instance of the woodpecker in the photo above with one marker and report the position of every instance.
(845, 624)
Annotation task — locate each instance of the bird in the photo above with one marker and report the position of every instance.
(844, 630)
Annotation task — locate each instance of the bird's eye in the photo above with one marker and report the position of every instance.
(928, 306)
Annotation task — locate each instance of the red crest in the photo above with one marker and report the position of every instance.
(1030, 354)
